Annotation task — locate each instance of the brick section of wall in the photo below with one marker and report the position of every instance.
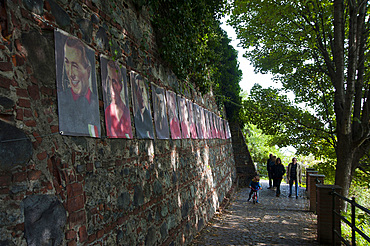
(114, 191)
(325, 213)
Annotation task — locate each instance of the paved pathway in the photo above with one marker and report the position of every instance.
(273, 221)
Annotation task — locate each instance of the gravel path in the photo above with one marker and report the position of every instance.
(273, 221)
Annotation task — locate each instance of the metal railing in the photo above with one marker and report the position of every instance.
(351, 223)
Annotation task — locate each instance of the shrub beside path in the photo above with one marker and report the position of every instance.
(273, 221)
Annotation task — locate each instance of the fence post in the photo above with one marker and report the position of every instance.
(325, 219)
(308, 173)
(314, 179)
(333, 215)
(353, 221)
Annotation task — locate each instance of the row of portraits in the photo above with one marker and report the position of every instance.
(78, 105)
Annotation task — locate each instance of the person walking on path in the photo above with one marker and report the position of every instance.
(294, 174)
(278, 171)
(269, 166)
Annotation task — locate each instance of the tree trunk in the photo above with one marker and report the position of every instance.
(343, 172)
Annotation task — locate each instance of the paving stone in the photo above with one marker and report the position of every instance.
(273, 221)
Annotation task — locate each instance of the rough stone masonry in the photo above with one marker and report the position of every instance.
(69, 190)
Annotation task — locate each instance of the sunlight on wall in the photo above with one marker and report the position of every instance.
(174, 158)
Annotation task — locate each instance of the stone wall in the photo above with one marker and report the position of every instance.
(66, 190)
(245, 167)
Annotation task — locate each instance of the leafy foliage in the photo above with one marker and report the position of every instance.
(226, 85)
(192, 42)
(260, 146)
(290, 125)
(318, 50)
(186, 32)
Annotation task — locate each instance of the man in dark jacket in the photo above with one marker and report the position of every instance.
(278, 171)
(269, 171)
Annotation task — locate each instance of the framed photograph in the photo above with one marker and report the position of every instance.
(78, 104)
(215, 123)
(222, 128)
(211, 125)
(198, 121)
(184, 117)
(192, 123)
(116, 101)
(142, 113)
(173, 115)
(227, 129)
(208, 128)
(160, 112)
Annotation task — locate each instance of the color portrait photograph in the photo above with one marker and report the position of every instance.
(78, 105)
(173, 115)
(203, 123)
(222, 128)
(141, 109)
(160, 112)
(215, 123)
(184, 117)
(198, 121)
(227, 129)
(208, 129)
(116, 102)
(192, 125)
(211, 125)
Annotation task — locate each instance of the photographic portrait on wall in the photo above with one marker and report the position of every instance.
(116, 102)
(173, 115)
(227, 129)
(215, 123)
(160, 112)
(208, 129)
(203, 123)
(141, 109)
(78, 105)
(222, 128)
(184, 117)
(192, 125)
(198, 121)
(211, 126)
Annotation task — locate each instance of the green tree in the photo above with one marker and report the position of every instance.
(318, 50)
(291, 125)
(260, 146)
(226, 85)
(184, 33)
(192, 42)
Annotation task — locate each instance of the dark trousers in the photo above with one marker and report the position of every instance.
(277, 183)
(270, 178)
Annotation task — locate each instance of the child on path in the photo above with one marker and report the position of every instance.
(255, 186)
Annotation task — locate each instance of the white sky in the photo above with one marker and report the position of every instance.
(249, 76)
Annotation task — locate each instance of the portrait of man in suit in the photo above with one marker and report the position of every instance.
(198, 121)
(78, 105)
(160, 112)
(215, 123)
(142, 113)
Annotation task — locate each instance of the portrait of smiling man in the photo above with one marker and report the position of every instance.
(78, 106)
